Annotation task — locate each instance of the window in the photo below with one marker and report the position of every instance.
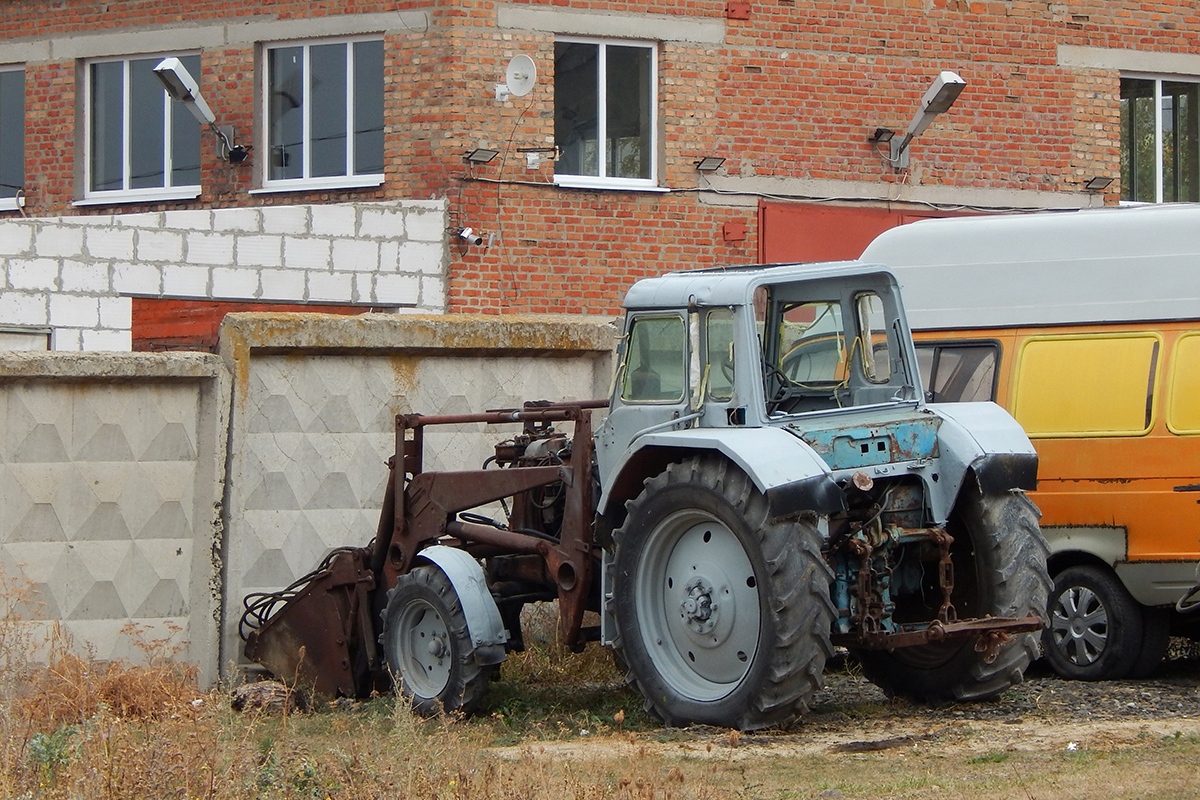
(1160, 140)
(1086, 385)
(812, 345)
(719, 349)
(604, 113)
(140, 144)
(325, 114)
(954, 373)
(1183, 397)
(655, 367)
(12, 135)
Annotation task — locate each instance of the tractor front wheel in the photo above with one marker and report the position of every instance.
(428, 647)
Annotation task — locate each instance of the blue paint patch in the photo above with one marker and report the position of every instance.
(856, 446)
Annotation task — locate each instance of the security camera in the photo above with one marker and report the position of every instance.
(180, 84)
(469, 236)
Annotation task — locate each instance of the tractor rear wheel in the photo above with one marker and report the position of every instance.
(723, 615)
(999, 558)
(427, 645)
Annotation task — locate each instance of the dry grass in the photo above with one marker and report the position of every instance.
(560, 727)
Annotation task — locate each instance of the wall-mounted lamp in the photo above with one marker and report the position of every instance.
(709, 164)
(480, 155)
(181, 86)
(1097, 184)
(469, 236)
(938, 98)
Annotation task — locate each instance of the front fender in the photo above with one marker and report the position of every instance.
(785, 469)
(479, 607)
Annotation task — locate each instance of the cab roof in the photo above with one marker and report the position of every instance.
(728, 286)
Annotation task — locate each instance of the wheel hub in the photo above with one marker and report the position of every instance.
(698, 609)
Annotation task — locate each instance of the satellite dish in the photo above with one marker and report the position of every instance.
(520, 75)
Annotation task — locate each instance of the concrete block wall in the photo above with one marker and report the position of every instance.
(160, 489)
(313, 420)
(111, 478)
(76, 274)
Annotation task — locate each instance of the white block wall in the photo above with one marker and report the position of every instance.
(76, 275)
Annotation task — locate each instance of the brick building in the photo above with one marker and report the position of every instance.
(123, 222)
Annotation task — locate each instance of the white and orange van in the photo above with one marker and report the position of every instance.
(1085, 325)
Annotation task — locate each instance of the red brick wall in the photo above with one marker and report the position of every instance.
(791, 94)
(165, 324)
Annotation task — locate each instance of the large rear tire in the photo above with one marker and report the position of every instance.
(428, 647)
(723, 615)
(999, 558)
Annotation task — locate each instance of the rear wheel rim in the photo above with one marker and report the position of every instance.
(1079, 625)
(698, 605)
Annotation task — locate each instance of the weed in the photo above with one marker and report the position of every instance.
(996, 757)
(49, 752)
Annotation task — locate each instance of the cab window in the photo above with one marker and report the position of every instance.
(719, 353)
(655, 361)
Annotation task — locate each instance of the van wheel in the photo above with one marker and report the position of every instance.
(722, 614)
(1095, 631)
(999, 558)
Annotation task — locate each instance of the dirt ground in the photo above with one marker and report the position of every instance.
(1046, 738)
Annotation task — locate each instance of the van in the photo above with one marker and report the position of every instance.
(1085, 326)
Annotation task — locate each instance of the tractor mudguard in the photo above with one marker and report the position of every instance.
(782, 467)
(984, 440)
(483, 617)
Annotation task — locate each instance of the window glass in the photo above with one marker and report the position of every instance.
(958, 373)
(12, 132)
(604, 96)
(1086, 385)
(1160, 140)
(873, 341)
(812, 346)
(719, 354)
(368, 107)
(655, 361)
(325, 111)
(138, 138)
(1183, 403)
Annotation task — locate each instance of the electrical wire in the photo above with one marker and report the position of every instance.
(261, 606)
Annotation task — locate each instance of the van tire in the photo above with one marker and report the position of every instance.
(1156, 637)
(1000, 570)
(1095, 626)
(723, 614)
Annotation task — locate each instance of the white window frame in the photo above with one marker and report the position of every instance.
(349, 181)
(609, 182)
(155, 193)
(17, 201)
(1158, 80)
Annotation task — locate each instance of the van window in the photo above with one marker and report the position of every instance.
(655, 361)
(1183, 402)
(1086, 385)
(957, 372)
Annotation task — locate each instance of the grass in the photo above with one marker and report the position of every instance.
(557, 726)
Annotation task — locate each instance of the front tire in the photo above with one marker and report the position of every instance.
(999, 557)
(723, 615)
(428, 647)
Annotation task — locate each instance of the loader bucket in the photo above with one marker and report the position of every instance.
(321, 639)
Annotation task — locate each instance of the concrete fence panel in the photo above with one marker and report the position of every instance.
(111, 475)
(313, 421)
